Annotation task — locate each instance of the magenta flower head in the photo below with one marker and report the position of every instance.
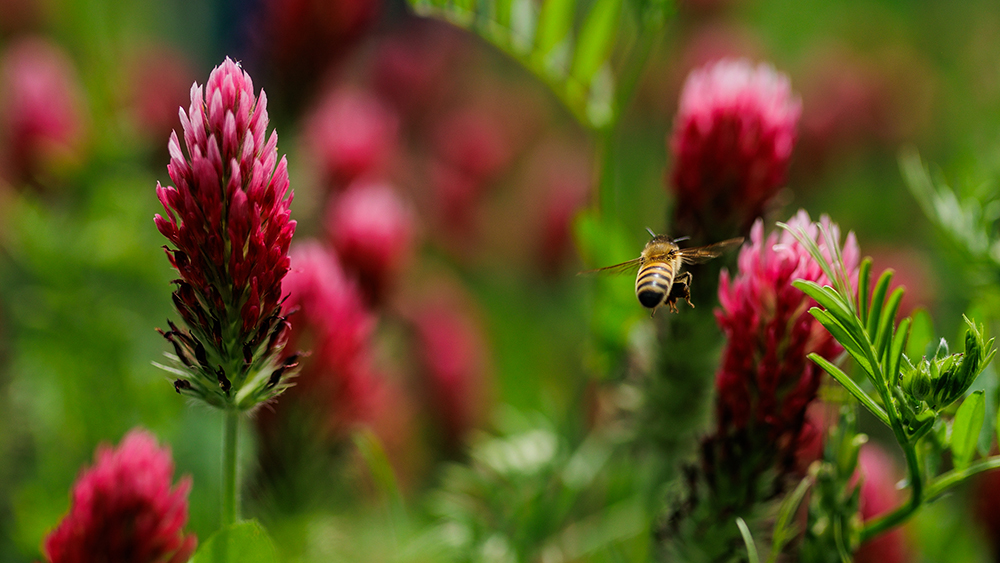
(765, 381)
(42, 120)
(227, 218)
(123, 509)
(732, 142)
(372, 229)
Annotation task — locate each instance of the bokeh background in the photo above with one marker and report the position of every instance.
(467, 356)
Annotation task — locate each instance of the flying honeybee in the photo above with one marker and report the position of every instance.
(659, 279)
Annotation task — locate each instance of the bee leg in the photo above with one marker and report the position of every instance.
(680, 290)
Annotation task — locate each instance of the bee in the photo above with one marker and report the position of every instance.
(659, 279)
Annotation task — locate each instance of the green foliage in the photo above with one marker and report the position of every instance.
(910, 399)
(243, 542)
(568, 44)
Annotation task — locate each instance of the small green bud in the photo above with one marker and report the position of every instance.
(916, 382)
(942, 350)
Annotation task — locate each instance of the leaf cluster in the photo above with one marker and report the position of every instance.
(566, 43)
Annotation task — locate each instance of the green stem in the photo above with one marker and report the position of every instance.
(230, 487)
(901, 514)
(945, 481)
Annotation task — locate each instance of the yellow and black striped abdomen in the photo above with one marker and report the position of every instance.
(653, 283)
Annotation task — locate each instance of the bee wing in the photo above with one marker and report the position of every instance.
(623, 268)
(700, 254)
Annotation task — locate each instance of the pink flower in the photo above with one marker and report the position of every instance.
(372, 230)
(41, 118)
(878, 496)
(474, 140)
(453, 354)
(124, 510)
(765, 382)
(732, 141)
(332, 315)
(351, 134)
(228, 219)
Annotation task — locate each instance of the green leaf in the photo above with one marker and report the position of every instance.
(965, 429)
(899, 340)
(752, 556)
(784, 527)
(243, 542)
(841, 335)
(864, 287)
(554, 24)
(883, 336)
(878, 301)
(851, 387)
(596, 39)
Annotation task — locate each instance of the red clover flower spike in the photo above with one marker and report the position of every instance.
(228, 219)
(765, 381)
(732, 141)
(124, 509)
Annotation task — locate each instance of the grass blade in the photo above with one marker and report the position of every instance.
(752, 556)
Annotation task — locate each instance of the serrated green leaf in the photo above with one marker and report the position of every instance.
(243, 542)
(878, 301)
(864, 287)
(965, 429)
(851, 387)
(596, 39)
(554, 24)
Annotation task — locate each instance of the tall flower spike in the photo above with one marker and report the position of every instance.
(732, 142)
(124, 510)
(228, 220)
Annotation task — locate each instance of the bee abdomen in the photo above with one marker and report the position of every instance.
(653, 283)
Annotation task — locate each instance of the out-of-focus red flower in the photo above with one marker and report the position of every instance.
(42, 121)
(350, 134)
(333, 320)
(160, 79)
(372, 229)
(123, 509)
(453, 355)
(413, 67)
(879, 495)
(474, 141)
(563, 175)
(228, 219)
(297, 41)
(765, 381)
(732, 142)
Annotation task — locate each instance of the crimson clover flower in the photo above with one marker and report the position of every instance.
(228, 220)
(124, 510)
(372, 228)
(765, 381)
(732, 142)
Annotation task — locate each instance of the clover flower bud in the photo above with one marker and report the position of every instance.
(228, 221)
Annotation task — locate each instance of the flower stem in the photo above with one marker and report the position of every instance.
(945, 481)
(901, 514)
(230, 486)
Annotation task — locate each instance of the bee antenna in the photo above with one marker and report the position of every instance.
(651, 233)
(681, 239)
